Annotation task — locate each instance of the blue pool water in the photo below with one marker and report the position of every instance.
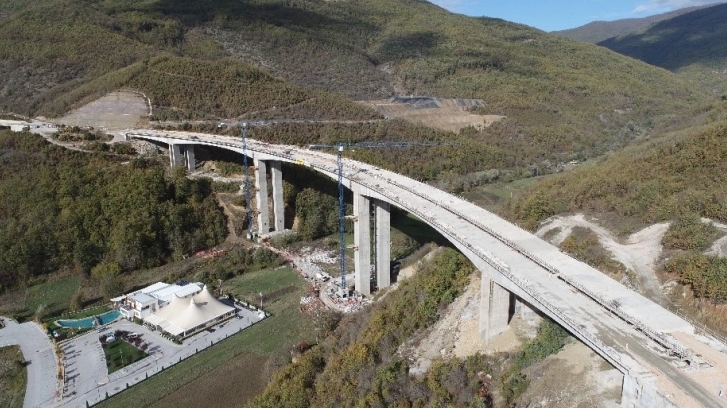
(89, 322)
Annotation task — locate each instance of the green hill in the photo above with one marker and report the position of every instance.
(562, 99)
(694, 37)
(692, 44)
(598, 31)
(656, 181)
(69, 211)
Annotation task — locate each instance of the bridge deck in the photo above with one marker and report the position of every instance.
(635, 334)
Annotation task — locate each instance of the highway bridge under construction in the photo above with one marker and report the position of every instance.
(665, 360)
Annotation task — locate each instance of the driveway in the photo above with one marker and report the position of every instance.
(38, 351)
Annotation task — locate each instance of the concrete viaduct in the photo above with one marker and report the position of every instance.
(665, 361)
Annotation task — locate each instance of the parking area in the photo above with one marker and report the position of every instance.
(39, 354)
(88, 379)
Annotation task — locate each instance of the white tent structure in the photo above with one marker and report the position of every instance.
(183, 317)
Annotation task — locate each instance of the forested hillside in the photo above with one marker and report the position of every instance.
(691, 44)
(562, 99)
(360, 363)
(694, 37)
(64, 210)
(649, 183)
(679, 179)
(598, 31)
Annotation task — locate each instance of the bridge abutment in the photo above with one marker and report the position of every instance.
(278, 203)
(383, 244)
(494, 309)
(261, 197)
(362, 243)
(641, 391)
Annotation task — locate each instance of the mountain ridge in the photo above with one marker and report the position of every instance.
(559, 96)
(597, 31)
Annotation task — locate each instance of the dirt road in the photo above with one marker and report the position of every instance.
(639, 253)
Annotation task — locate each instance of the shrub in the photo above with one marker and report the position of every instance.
(707, 275)
(688, 232)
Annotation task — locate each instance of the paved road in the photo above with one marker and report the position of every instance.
(88, 379)
(38, 350)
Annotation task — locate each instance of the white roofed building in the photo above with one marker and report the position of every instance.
(142, 303)
(185, 316)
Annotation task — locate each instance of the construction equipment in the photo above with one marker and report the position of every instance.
(341, 205)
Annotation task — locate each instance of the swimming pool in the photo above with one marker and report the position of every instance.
(90, 322)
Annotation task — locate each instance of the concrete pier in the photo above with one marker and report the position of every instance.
(383, 244)
(261, 197)
(526, 311)
(362, 242)
(189, 157)
(494, 309)
(175, 155)
(278, 203)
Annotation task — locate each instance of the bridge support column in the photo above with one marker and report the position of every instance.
(261, 197)
(189, 161)
(494, 309)
(362, 242)
(175, 155)
(383, 244)
(278, 204)
(526, 312)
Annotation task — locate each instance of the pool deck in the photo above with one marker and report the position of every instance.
(65, 323)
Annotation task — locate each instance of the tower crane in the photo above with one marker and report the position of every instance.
(339, 147)
(246, 184)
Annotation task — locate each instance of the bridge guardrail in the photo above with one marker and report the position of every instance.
(658, 337)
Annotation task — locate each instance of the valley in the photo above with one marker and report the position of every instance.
(614, 158)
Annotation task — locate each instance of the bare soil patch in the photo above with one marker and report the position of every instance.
(115, 111)
(639, 252)
(445, 114)
(575, 377)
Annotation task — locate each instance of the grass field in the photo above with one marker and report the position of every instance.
(13, 377)
(53, 296)
(120, 354)
(233, 371)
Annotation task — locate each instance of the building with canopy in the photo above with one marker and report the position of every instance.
(185, 316)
